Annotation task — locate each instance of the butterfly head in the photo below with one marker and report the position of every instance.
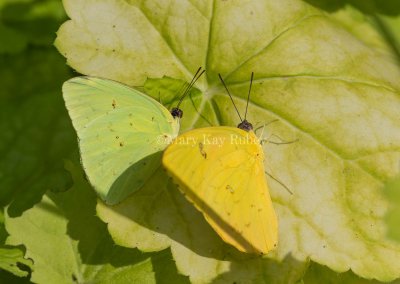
(245, 125)
(176, 112)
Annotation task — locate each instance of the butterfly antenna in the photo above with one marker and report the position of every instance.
(176, 112)
(248, 96)
(187, 85)
(194, 80)
(223, 83)
(183, 87)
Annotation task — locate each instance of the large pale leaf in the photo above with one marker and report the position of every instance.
(328, 87)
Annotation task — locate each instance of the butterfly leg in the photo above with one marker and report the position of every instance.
(278, 181)
(268, 140)
(282, 142)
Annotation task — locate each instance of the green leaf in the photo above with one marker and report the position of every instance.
(389, 7)
(12, 40)
(338, 95)
(11, 259)
(41, 62)
(376, 23)
(320, 274)
(392, 193)
(390, 28)
(362, 26)
(7, 277)
(165, 269)
(33, 123)
(37, 133)
(29, 21)
(3, 232)
(69, 243)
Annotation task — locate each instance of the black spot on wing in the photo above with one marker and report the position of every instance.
(231, 190)
(202, 152)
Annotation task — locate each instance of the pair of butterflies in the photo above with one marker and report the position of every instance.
(124, 136)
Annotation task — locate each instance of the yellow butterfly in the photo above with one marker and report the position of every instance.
(221, 171)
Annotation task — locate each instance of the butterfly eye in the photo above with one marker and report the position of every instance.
(176, 112)
(245, 125)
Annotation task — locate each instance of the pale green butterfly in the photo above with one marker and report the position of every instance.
(121, 133)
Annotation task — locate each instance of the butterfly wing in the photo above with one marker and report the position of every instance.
(119, 132)
(221, 171)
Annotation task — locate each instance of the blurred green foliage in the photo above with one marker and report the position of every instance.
(36, 132)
